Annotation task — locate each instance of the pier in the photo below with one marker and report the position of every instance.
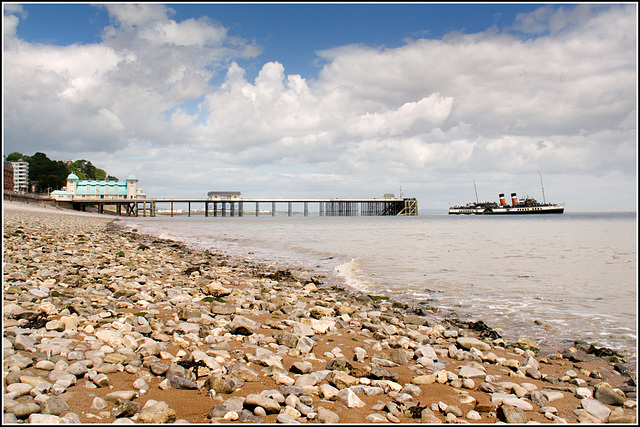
(238, 207)
(326, 207)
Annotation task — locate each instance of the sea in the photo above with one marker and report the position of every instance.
(552, 278)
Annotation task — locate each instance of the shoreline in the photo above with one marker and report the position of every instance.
(534, 322)
(327, 353)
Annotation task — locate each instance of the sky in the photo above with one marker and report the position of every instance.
(333, 100)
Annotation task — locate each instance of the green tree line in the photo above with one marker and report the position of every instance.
(48, 175)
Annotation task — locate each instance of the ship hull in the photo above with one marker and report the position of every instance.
(524, 210)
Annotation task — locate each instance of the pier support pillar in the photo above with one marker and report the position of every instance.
(306, 208)
(240, 209)
(257, 208)
(290, 208)
(273, 208)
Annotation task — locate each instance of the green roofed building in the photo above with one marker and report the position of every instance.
(78, 189)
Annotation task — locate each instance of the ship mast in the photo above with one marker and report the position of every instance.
(476, 190)
(541, 185)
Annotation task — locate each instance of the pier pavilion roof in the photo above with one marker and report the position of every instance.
(113, 188)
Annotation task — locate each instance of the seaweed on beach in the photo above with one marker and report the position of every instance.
(192, 364)
(478, 326)
(188, 271)
(37, 322)
(606, 353)
(416, 411)
(280, 275)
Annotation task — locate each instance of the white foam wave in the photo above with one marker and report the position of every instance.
(352, 273)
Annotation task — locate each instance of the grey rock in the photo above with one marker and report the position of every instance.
(427, 416)
(269, 405)
(243, 372)
(54, 406)
(182, 383)
(596, 409)
(78, 369)
(222, 309)
(150, 348)
(9, 419)
(399, 356)
(471, 372)
(17, 360)
(246, 416)
(512, 415)
(287, 339)
(283, 418)
(341, 380)
(241, 325)
(376, 418)
(538, 398)
(20, 389)
(469, 342)
(607, 396)
(158, 368)
(24, 342)
(125, 408)
(349, 399)
(159, 413)
(185, 313)
(318, 312)
(98, 403)
(383, 374)
(328, 392)
(114, 396)
(455, 410)
(301, 367)
(218, 411)
(44, 419)
(219, 384)
(23, 410)
(617, 418)
(327, 416)
(101, 380)
(533, 373)
(234, 403)
(305, 345)
(412, 319)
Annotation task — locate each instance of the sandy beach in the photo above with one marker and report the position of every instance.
(102, 324)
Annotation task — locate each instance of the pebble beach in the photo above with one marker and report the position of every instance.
(105, 325)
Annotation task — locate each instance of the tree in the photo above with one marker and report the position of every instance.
(14, 157)
(86, 170)
(46, 174)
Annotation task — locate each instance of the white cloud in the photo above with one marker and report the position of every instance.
(486, 104)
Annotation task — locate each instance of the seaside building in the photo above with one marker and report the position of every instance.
(224, 195)
(20, 177)
(8, 176)
(78, 189)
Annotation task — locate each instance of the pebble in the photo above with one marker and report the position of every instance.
(112, 303)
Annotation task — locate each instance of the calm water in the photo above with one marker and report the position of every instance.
(576, 274)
